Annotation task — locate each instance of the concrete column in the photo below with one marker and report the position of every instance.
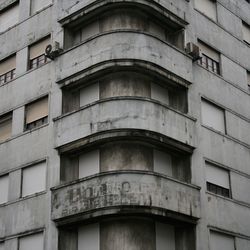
(128, 234)
(15, 185)
(21, 61)
(18, 121)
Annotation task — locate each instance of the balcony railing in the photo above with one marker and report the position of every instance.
(7, 76)
(38, 61)
(210, 64)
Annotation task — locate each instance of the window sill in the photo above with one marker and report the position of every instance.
(23, 198)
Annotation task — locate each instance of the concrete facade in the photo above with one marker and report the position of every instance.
(125, 142)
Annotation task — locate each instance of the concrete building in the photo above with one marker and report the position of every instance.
(127, 136)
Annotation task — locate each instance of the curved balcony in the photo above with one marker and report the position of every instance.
(125, 113)
(119, 192)
(123, 45)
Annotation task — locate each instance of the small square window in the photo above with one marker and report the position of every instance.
(34, 179)
(36, 113)
(218, 181)
(37, 53)
(5, 127)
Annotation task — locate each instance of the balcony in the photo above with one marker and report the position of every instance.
(125, 191)
(125, 113)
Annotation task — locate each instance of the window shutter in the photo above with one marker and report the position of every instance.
(5, 127)
(33, 241)
(217, 176)
(38, 49)
(208, 7)
(7, 65)
(37, 110)
(89, 237)
(220, 241)
(4, 187)
(9, 18)
(208, 51)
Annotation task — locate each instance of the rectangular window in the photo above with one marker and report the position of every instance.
(213, 116)
(9, 17)
(220, 241)
(217, 180)
(36, 113)
(37, 53)
(37, 5)
(210, 58)
(246, 32)
(207, 7)
(248, 80)
(163, 163)
(89, 237)
(33, 241)
(34, 179)
(89, 163)
(4, 188)
(89, 94)
(7, 69)
(5, 127)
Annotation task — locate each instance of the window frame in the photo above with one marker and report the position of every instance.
(10, 74)
(219, 189)
(6, 117)
(44, 120)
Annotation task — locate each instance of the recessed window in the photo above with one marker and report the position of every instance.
(4, 188)
(213, 116)
(210, 58)
(37, 5)
(37, 53)
(34, 179)
(248, 80)
(33, 241)
(9, 17)
(246, 32)
(36, 113)
(165, 236)
(220, 241)
(89, 163)
(5, 127)
(7, 69)
(217, 180)
(207, 7)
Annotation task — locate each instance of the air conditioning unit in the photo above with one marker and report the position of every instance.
(194, 51)
(53, 51)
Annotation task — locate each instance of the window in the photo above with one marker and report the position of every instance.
(219, 241)
(37, 53)
(5, 127)
(37, 5)
(246, 32)
(207, 7)
(89, 94)
(213, 116)
(7, 69)
(217, 180)
(36, 113)
(9, 17)
(89, 237)
(33, 241)
(210, 58)
(4, 188)
(34, 179)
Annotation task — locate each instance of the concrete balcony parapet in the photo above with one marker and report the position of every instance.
(125, 113)
(117, 192)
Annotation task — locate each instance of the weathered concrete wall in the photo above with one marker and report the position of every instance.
(136, 234)
(112, 190)
(125, 113)
(125, 156)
